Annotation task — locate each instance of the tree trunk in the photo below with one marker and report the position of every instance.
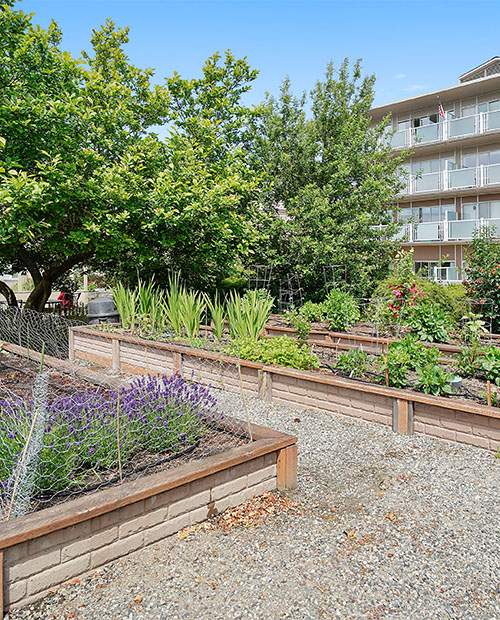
(39, 295)
(9, 294)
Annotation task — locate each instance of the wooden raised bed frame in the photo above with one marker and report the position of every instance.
(405, 411)
(43, 550)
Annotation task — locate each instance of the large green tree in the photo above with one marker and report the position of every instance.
(336, 177)
(84, 181)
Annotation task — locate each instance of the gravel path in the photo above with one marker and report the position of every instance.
(389, 527)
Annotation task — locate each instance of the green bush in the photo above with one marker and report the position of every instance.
(353, 363)
(341, 310)
(281, 351)
(433, 379)
(416, 354)
(428, 322)
(313, 312)
(301, 324)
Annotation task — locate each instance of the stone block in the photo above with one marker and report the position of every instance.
(118, 549)
(59, 574)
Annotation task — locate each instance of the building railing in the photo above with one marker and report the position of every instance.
(447, 130)
(460, 178)
(447, 230)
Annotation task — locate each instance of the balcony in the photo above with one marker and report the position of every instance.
(446, 130)
(461, 178)
(445, 231)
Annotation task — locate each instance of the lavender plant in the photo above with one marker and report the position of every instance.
(153, 416)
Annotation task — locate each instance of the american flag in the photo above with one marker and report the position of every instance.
(441, 109)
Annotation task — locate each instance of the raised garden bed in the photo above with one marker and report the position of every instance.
(45, 549)
(406, 411)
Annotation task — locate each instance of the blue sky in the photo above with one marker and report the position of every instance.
(411, 46)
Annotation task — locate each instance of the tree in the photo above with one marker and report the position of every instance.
(337, 179)
(483, 274)
(83, 181)
(202, 205)
(74, 133)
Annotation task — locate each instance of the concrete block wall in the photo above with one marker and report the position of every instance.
(459, 426)
(33, 567)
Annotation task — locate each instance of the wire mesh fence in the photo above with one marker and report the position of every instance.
(34, 330)
(62, 436)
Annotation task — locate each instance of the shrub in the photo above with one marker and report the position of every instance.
(417, 353)
(341, 310)
(299, 322)
(353, 363)
(282, 351)
(396, 366)
(428, 322)
(433, 379)
(313, 312)
(483, 273)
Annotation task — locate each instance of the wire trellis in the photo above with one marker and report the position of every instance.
(32, 329)
(290, 293)
(260, 277)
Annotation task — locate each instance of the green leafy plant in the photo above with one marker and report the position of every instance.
(433, 379)
(489, 364)
(173, 305)
(418, 354)
(395, 365)
(125, 301)
(429, 322)
(341, 310)
(217, 314)
(473, 327)
(281, 351)
(192, 306)
(301, 324)
(247, 315)
(353, 362)
(312, 311)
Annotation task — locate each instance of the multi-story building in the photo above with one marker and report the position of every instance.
(453, 175)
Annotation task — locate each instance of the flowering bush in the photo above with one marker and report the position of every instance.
(404, 294)
(154, 415)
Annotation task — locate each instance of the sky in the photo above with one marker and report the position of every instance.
(411, 46)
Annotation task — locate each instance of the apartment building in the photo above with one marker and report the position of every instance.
(452, 179)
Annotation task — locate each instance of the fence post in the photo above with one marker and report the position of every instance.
(71, 343)
(115, 360)
(286, 468)
(402, 416)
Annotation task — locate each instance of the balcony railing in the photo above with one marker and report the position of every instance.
(446, 130)
(461, 178)
(447, 230)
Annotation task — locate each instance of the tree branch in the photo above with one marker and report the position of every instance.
(8, 293)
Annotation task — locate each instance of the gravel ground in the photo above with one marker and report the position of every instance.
(389, 527)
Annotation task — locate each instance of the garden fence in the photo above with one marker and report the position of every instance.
(62, 436)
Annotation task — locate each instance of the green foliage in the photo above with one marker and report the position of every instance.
(335, 180)
(125, 301)
(480, 362)
(341, 310)
(192, 306)
(173, 304)
(236, 283)
(396, 366)
(433, 379)
(473, 327)
(281, 351)
(217, 314)
(313, 311)
(429, 322)
(83, 181)
(402, 285)
(248, 315)
(417, 353)
(353, 363)
(301, 324)
(483, 273)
